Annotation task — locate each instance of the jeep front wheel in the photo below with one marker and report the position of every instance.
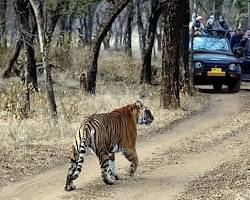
(234, 86)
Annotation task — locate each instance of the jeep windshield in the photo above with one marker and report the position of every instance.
(211, 44)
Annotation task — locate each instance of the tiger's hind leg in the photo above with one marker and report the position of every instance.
(105, 171)
(132, 157)
(112, 166)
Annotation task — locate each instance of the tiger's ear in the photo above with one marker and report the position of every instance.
(139, 104)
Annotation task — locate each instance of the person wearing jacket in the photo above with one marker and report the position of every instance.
(236, 38)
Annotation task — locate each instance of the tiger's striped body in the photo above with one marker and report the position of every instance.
(105, 134)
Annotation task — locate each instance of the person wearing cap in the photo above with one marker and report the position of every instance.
(200, 20)
(209, 25)
(197, 25)
(223, 23)
(198, 30)
(220, 28)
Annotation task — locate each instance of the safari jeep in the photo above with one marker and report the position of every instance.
(214, 63)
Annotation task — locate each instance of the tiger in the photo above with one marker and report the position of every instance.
(106, 134)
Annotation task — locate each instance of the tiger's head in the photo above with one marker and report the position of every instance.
(144, 114)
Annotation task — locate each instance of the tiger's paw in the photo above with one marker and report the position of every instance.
(107, 179)
(131, 172)
(115, 177)
(69, 188)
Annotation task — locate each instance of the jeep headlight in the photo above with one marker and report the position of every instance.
(198, 65)
(232, 67)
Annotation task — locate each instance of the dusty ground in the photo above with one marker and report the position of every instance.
(203, 157)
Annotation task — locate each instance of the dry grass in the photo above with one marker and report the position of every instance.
(4, 57)
(36, 143)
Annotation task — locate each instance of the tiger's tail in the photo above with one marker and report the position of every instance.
(79, 151)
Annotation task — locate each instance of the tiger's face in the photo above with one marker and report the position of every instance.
(144, 116)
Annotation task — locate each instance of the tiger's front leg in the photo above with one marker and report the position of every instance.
(105, 171)
(132, 157)
(112, 166)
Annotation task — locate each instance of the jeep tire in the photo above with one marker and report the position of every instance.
(234, 86)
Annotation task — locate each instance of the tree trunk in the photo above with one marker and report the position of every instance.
(23, 16)
(159, 35)
(89, 29)
(185, 75)
(69, 29)
(128, 30)
(141, 31)
(82, 23)
(22, 13)
(82, 30)
(37, 7)
(196, 7)
(88, 25)
(237, 19)
(27, 77)
(170, 90)
(62, 34)
(106, 40)
(120, 29)
(3, 39)
(116, 37)
(65, 36)
(13, 58)
(146, 72)
(52, 19)
(51, 23)
(191, 7)
(116, 8)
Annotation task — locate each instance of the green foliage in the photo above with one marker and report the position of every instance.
(70, 6)
(52, 4)
(241, 12)
(80, 6)
(240, 5)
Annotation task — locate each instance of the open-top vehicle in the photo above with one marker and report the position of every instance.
(243, 54)
(214, 63)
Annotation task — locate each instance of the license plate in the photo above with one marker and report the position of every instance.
(216, 72)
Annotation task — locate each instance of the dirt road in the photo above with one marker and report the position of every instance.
(182, 162)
